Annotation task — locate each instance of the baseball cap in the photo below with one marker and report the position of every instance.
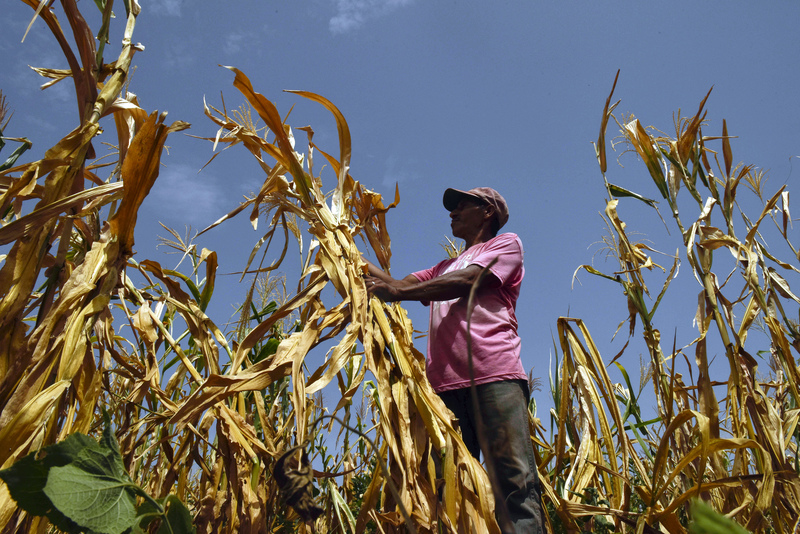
(486, 194)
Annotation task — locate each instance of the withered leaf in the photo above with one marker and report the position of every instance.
(297, 485)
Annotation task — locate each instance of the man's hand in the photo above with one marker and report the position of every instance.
(383, 286)
(386, 291)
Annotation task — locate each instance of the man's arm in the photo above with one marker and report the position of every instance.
(378, 277)
(449, 286)
(377, 272)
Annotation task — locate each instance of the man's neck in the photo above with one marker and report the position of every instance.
(481, 237)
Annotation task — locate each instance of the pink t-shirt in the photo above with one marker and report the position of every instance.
(495, 343)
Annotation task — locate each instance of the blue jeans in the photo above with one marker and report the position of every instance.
(504, 411)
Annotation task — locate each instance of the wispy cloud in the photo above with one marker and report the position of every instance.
(233, 43)
(169, 7)
(182, 196)
(22, 85)
(180, 53)
(352, 14)
(394, 174)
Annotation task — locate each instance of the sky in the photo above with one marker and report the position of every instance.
(438, 94)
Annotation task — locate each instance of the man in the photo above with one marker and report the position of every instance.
(501, 383)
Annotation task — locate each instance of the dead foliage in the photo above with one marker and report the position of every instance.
(219, 418)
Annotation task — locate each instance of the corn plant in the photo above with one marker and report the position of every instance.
(63, 267)
(229, 424)
(737, 453)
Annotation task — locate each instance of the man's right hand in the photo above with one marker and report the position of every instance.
(387, 291)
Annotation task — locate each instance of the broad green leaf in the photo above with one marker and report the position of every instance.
(267, 349)
(706, 521)
(101, 503)
(26, 479)
(81, 485)
(178, 519)
(188, 281)
(94, 489)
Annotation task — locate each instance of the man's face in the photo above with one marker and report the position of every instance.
(467, 218)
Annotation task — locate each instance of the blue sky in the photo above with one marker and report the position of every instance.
(448, 94)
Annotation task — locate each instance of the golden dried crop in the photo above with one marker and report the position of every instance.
(219, 418)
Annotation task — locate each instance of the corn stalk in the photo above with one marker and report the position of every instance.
(741, 459)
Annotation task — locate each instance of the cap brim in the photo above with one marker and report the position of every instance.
(452, 197)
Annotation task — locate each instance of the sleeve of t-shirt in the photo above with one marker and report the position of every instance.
(429, 274)
(425, 275)
(507, 248)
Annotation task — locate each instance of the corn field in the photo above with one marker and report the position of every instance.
(232, 422)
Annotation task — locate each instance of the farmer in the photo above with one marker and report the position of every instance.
(501, 383)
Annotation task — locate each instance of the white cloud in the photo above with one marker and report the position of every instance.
(182, 196)
(233, 43)
(170, 7)
(352, 14)
(395, 175)
(180, 55)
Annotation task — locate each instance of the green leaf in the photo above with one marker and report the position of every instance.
(341, 509)
(101, 503)
(618, 191)
(189, 283)
(102, 36)
(26, 479)
(175, 517)
(12, 159)
(81, 485)
(259, 316)
(268, 349)
(148, 510)
(706, 521)
(178, 519)
(94, 490)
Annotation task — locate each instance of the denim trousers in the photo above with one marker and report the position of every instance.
(504, 412)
